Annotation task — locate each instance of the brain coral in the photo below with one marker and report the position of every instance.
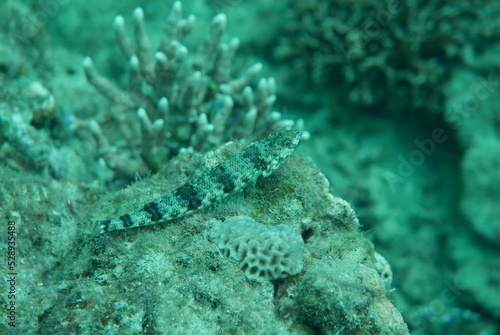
(263, 252)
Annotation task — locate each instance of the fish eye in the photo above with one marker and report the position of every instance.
(287, 143)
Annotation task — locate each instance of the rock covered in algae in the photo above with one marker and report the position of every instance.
(171, 279)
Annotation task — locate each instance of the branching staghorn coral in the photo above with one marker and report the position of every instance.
(181, 100)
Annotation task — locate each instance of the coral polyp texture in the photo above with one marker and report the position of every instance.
(262, 252)
(176, 98)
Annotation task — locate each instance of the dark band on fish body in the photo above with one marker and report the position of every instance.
(253, 157)
(222, 177)
(153, 210)
(105, 224)
(189, 195)
(127, 220)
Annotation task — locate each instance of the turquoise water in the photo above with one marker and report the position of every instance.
(103, 110)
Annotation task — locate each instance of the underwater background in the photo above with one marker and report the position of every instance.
(399, 107)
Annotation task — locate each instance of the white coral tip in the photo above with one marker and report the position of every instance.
(87, 62)
(134, 62)
(138, 14)
(220, 20)
(119, 22)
